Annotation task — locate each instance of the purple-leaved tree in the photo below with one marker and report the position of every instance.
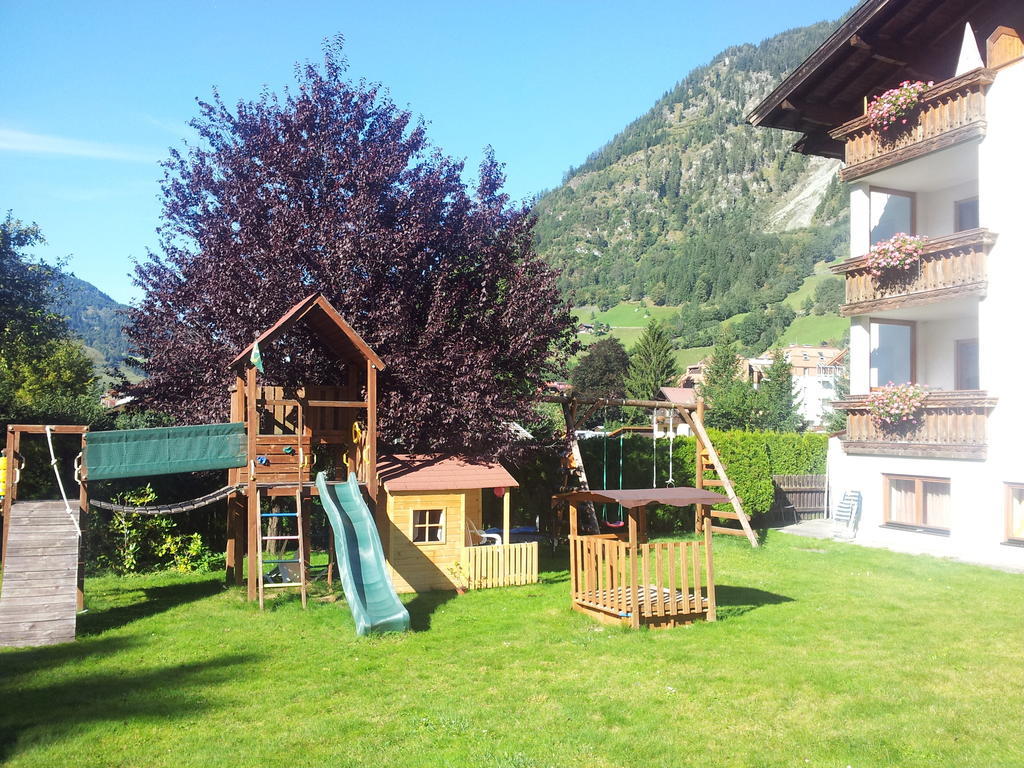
(331, 188)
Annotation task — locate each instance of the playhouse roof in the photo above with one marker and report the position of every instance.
(320, 316)
(630, 498)
(441, 473)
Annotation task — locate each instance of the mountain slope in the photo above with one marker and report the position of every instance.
(95, 318)
(691, 205)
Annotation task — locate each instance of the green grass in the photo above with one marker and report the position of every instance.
(685, 357)
(628, 314)
(825, 654)
(814, 329)
(797, 298)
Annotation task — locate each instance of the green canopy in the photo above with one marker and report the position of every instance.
(164, 450)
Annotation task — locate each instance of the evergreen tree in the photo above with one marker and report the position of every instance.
(652, 364)
(776, 407)
(601, 372)
(731, 398)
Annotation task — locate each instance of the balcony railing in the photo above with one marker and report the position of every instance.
(953, 425)
(950, 112)
(951, 266)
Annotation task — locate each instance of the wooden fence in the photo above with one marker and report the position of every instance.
(505, 565)
(801, 497)
(662, 582)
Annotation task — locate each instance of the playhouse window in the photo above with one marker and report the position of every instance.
(428, 526)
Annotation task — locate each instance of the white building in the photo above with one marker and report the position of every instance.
(954, 485)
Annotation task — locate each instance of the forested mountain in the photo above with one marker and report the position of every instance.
(691, 205)
(95, 318)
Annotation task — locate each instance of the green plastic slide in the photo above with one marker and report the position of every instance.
(364, 576)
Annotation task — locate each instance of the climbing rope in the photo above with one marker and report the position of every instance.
(60, 483)
(170, 509)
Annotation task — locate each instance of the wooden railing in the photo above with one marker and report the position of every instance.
(953, 425)
(950, 112)
(951, 266)
(656, 581)
(505, 565)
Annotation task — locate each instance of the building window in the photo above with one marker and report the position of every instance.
(891, 212)
(966, 214)
(1015, 513)
(920, 503)
(967, 376)
(893, 349)
(428, 526)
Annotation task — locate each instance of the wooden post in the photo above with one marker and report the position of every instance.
(506, 516)
(700, 512)
(83, 509)
(634, 558)
(11, 488)
(371, 429)
(573, 528)
(252, 428)
(234, 549)
(709, 567)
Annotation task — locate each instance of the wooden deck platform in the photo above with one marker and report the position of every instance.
(38, 595)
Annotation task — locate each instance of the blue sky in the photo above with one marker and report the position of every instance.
(94, 93)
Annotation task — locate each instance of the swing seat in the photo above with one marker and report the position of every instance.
(613, 524)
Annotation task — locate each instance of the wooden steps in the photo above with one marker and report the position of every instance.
(38, 598)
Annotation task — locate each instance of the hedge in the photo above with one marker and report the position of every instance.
(750, 458)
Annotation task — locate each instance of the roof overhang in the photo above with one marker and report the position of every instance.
(880, 44)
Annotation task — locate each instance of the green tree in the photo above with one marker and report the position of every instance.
(808, 306)
(828, 296)
(601, 372)
(731, 398)
(776, 408)
(43, 370)
(652, 364)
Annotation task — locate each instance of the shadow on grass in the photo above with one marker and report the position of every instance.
(422, 607)
(156, 600)
(45, 713)
(735, 601)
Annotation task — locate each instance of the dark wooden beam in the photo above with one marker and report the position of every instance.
(897, 55)
(817, 113)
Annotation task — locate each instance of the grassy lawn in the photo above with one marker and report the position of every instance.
(814, 329)
(691, 355)
(825, 655)
(806, 290)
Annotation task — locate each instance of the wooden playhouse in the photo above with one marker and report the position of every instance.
(430, 512)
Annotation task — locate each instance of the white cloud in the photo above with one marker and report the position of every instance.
(40, 144)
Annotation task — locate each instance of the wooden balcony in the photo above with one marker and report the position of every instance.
(950, 113)
(951, 266)
(500, 565)
(953, 426)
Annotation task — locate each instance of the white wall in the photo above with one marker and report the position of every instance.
(936, 349)
(860, 355)
(860, 213)
(1001, 204)
(936, 210)
(977, 502)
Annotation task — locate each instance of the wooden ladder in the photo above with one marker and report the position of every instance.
(708, 460)
(299, 558)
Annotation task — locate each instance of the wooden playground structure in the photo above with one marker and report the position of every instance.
(621, 576)
(625, 578)
(268, 449)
